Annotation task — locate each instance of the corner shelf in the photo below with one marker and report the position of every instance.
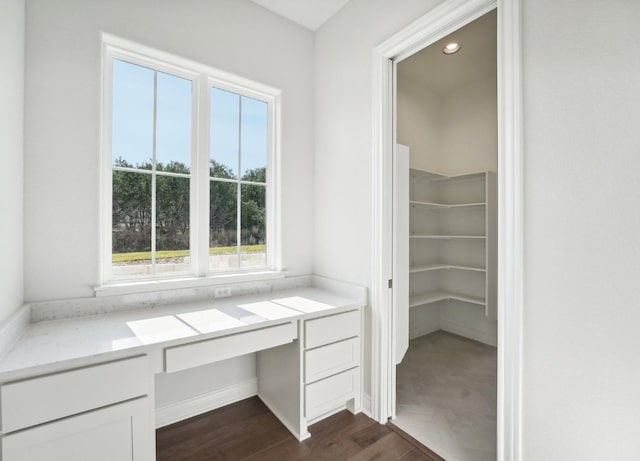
(447, 237)
(445, 205)
(435, 296)
(435, 267)
(453, 238)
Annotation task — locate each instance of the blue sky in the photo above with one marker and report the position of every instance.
(132, 137)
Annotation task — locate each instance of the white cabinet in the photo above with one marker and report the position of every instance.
(101, 412)
(453, 239)
(332, 363)
(115, 433)
(316, 375)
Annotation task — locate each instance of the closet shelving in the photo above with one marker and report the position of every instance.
(453, 238)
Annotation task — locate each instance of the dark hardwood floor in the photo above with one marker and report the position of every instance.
(247, 430)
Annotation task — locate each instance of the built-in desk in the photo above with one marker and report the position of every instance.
(75, 382)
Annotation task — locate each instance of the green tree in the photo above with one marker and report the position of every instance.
(222, 206)
(172, 208)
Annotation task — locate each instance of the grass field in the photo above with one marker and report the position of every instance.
(165, 254)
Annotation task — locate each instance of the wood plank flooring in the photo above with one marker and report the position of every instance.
(247, 430)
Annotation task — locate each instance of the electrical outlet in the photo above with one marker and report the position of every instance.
(222, 292)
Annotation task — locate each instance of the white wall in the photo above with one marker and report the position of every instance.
(582, 267)
(581, 74)
(174, 388)
(454, 132)
(342, 176)
(419, 123)
(63, 133)
(12, 36)
(470, 128)
(63, 117)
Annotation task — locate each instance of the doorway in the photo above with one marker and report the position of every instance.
(439, 22)
(446, 113)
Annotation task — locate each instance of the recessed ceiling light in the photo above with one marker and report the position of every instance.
(451, 48)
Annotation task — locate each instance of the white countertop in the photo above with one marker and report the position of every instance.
(47, 346)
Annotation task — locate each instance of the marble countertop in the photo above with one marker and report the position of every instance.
(46, 346)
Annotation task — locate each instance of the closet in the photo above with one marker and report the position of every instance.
(445, 243)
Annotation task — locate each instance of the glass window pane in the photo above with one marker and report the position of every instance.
(253, 226)
(225, 129)
(173, 121)
(223, 230)
(132, 120)
(254, 139)
(131, 224)
(172, 224)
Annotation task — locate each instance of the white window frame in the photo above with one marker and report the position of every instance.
(203, 77)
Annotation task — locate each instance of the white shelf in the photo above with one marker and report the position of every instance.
(435, 267)
(446, 205)
(433, 177)
(428, 298)
(446, 237)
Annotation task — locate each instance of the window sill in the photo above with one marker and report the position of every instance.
(150, 286)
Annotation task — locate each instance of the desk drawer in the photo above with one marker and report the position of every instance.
(46, 398)
(329, 393)
(331, 359)
(330, 329)
(213, 350)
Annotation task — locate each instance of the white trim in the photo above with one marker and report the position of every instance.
(510, 229)
(468, 332)
(195, 406)
(203, 77)
(149, 286)
(424, 329)
(439, 22)
(179, 64)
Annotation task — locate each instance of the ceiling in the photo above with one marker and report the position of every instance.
(308, 13)
(476, 60)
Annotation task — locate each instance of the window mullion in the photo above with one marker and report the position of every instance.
(239, 188)
(153, 175)
(201, 247)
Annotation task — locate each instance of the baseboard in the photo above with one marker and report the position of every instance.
(424, 329)
(467, 332)
(14, 327)
(366, 404)
(203, 403)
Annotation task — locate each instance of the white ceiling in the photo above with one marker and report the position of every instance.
(476, 60)
(308, 13)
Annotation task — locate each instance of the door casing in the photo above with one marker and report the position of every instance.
(439, 22)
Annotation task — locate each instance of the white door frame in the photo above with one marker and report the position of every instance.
(439, 22)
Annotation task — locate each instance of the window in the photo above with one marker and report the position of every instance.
(188, 168)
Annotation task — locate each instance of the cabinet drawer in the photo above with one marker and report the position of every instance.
(121, 432)
(213, 350)
(332, 328)
(331, 359)
(39, 400)
(328, 394)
